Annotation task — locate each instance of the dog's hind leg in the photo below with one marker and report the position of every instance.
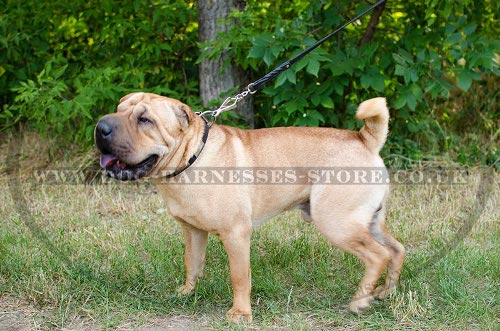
(379, 231)
(351, 233)
(305, 208)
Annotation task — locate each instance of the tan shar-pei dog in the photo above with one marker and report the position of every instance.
(270, 170)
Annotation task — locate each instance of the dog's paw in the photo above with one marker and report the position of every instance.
(382, 292)
(239, 315)
(185, 290)
(361, 304)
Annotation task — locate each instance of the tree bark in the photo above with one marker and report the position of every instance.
(215, 78)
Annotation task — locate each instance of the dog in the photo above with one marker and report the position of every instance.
(162, 138)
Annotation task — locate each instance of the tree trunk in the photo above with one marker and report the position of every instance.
(215, 78)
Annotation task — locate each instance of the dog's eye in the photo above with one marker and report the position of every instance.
(144, 120)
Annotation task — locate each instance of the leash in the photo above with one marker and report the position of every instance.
(252, 88)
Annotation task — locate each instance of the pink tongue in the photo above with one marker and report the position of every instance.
(107, 160)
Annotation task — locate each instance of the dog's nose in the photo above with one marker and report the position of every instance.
(104, 128)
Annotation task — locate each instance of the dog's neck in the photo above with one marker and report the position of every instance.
(190, 148)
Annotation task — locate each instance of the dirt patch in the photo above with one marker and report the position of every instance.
(166, 323)
(18, 316)
(14, 321)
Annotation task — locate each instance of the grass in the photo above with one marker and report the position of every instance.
(110, 256)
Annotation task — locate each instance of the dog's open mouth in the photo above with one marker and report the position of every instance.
(115, 168)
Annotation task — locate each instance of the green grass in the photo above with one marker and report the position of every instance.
(111, 255)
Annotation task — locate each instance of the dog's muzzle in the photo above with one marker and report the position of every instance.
(112, 160)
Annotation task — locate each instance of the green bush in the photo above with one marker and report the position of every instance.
(422, 52)
(70, 63)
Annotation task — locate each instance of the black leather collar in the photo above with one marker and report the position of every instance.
(195, 155)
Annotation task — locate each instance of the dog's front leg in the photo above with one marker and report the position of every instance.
(237, 245)
(195, 246)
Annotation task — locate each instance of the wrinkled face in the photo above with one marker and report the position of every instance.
(141, 135)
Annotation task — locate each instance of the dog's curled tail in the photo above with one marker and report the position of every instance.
(376, 115)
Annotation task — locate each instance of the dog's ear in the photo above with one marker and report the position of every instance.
(184, 114)
(125, 98)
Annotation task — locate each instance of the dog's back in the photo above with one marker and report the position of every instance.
(306, 146)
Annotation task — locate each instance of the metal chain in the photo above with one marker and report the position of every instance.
(228, 104)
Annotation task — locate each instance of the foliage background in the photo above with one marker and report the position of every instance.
(63, 65)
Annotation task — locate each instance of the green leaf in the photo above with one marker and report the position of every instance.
(421, 55)
(316, 115)
(301, 64)
(469, 29)
(263, 40)
(366, 81)
(275, 50)
(280, 80)
(316, 99)
(411, 101)
(400, 101)
(313, 67)
(59, 72)
(291, 76)
(406, 56)
(327, 102)
(368, 50)
(399, 70)
(268, 57)
(398, 58)
(464, 79)
(339, 69)
(292, 106)
(338, 88)
(453, 39)
(378, 83)
(413, 74)
(416, 91)
(256, 52)
(449, 29)
(280, 116)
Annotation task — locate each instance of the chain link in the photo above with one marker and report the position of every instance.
(230, 103)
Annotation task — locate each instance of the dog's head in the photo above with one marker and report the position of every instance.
(140, 137)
